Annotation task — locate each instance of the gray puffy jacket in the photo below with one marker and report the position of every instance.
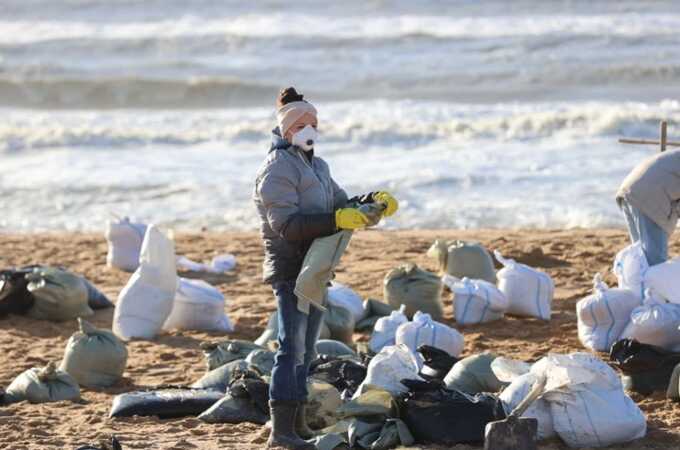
(296, 199)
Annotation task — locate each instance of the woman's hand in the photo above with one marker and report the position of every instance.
(350, 219)
(391, 203)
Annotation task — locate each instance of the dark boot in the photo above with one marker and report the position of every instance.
(301, 427)
(283, 423)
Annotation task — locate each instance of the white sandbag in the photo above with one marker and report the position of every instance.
(539, 410)
(630, 266)
(529, 291)
(588, 405)
(664, 280)
(198, 306)
(476, 301)
(393, 364)
(94, 357)
(655, 323)
(603, 315)
(146, 301)
(341, 295)
(124, 239)
(425, 331)
(385, 330)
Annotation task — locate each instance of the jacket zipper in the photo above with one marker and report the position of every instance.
(325, 188)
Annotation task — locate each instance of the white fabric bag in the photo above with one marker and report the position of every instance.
(664, 280)
(385, 329)
(198, 306)
(425, 331)
(146, 301)
(656, 323)
(588, 405)
(393, 364)
(124, 240)
(341, 295)
(540, 410)
(603, 315)
(630, 266)
(529, 291)
(476, 301)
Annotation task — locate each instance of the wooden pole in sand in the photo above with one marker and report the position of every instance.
(663, 141)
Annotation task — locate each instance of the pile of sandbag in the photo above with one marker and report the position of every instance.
(94, 357)
(583, 401)
(42, 385)
(198, 306)
(462, 259)
(416, 288)
(146, 301)
(476, 301)
(603, 315)
(529, 291)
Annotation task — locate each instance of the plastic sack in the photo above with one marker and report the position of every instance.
(271, 333)
(218, 354)
(333, 348)
(416, 288)
(603, 315)
(587, 402)
(59, 295)
(42, 385)
(442, 416)
(94, 357)
(385, 330)
(15, 298)
(340, 323)
(539, 409)
(476, 301)
(436, 363)
(425, 331)
(463, 260)
(646, 368)
(246, 401)
(664, 280)
(388, 368)
(164, 403)
(630, 266)
(218, 379)
(146, 301)
(473, 375)
(529, 291)
(341, 295)
(198, 306)
(124, 239)
(655, 323)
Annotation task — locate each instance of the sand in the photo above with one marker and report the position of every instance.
(571, 257)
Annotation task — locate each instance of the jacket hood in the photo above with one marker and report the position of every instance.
(277, 141)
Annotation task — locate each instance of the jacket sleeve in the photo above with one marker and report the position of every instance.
(277, 189)
(339, 196)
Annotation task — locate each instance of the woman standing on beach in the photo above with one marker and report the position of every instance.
(297, 201)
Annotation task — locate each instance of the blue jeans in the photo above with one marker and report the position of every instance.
(644, 230)
(298, 333)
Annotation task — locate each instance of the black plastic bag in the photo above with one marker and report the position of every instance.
(108, 444)
(15, 298)
(437, 363)
(646, 368)
(342, 374)
(247, 400)
(164, 403)
(442, 416)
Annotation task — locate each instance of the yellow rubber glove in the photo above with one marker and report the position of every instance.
(350, 219)
(391, 203)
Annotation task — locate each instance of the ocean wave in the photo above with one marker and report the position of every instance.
(406, 124)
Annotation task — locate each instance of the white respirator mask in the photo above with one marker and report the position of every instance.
(305, 138)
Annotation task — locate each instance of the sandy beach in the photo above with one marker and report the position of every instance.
(571, 257)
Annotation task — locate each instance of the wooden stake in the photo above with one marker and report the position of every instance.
(663, 135)
(663, 141)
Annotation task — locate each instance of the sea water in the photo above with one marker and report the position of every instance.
(473, 114)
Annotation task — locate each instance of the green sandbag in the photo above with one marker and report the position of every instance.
(94, 357)
(340, 322)
(375, 309)
(394, 433)
(262, 360)
(218, 379)
(42, 385)
(473, 375)
(59, 295)
(373, 402)
(416, 288)
(333, 348)
(219, 353)
(270, 334)
(673, 390)
(330, 441)
(463, 259)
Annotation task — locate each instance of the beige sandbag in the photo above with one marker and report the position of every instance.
(94, 357)
(59, 295)
(42, 385)
(323, 404)
(463, 259)
(416, 288)
(340, 322)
